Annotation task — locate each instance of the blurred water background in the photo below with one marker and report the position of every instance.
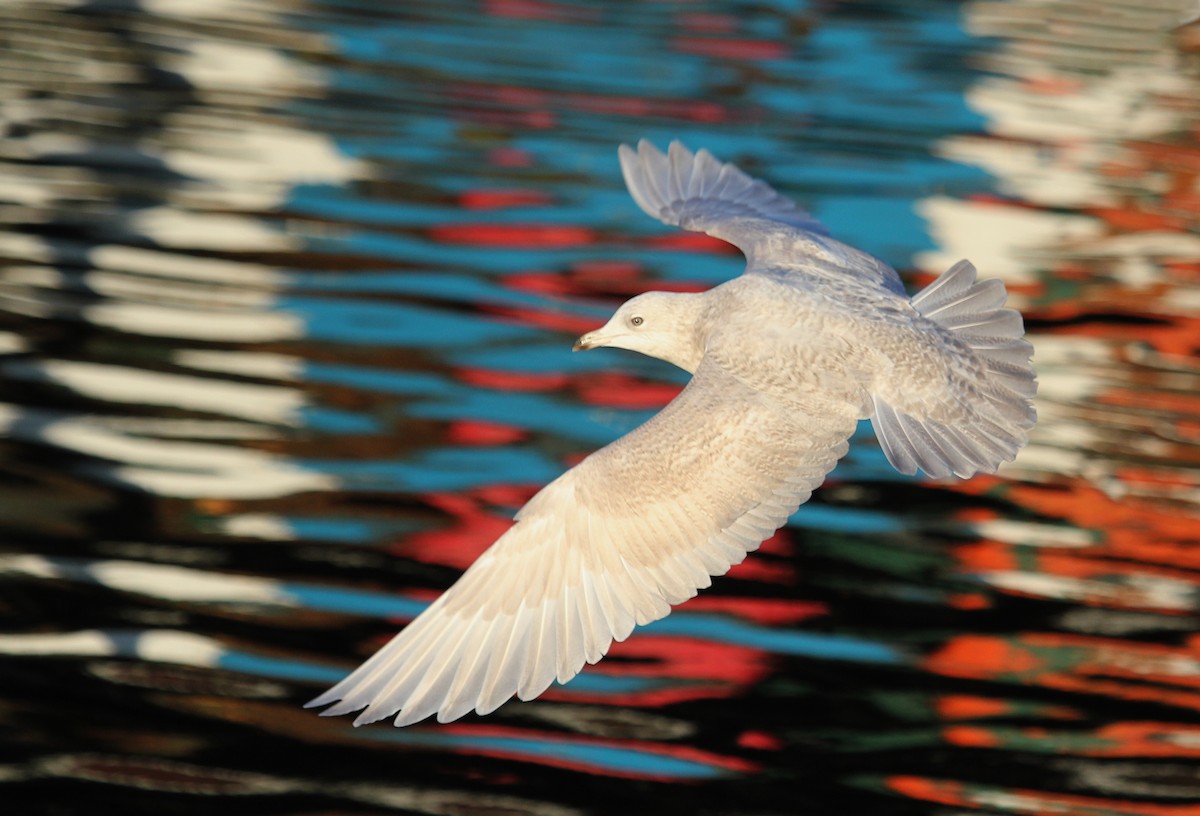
(287, 294)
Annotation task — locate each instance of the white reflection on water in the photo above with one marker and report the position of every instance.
(137, 386)
(160, 465)
(1005, 239)
(163, 581)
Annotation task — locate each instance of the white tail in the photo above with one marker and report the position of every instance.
(999, 425)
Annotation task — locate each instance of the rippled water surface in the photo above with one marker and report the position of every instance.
(287, 294)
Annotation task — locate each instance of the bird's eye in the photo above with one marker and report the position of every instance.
(637, 320)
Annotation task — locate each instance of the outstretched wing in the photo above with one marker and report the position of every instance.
(697, 192)
(635, 527)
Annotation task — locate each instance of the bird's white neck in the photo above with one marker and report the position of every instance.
(689, 311)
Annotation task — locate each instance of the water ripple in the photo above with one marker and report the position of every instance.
(287, 292)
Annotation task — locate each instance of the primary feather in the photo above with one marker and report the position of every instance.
(786, 359)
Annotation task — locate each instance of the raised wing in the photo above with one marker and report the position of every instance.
(697, 192)
(635, 527)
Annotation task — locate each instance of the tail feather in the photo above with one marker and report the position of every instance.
(1001, 413)
(982, 298)
(947, 288)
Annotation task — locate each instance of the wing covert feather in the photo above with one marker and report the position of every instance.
(636, 527)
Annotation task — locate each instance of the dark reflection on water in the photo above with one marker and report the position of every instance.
(286, 304)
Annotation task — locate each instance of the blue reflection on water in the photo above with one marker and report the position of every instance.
(396, 324)
(344, 530)
(630, 759)
(441, 469)
(358, 602)
(587, 58)
(815, 516)
(333, 421)
(450, 401)
(778, 641)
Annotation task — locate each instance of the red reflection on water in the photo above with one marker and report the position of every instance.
(968, 600)
(766, 611)
(597, 279)
(779, 571)
(510, 157)
(759, 741)
(730, 48)
(554, 321)
(534, 107)
(538, 10)
(972, 707)
(514, 236)
(474, 528)
(710, 22)
(615, 390)
(689, 668)
(475, 432)
(513, 380)
(962, 707)
(690, 242)
(502, 199)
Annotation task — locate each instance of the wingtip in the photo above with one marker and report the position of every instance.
(324, 698)
(448, 714)
(676, 146)
(412, 716)
(648, 150)
(367, 717)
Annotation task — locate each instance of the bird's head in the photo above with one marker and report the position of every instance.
(658, 324)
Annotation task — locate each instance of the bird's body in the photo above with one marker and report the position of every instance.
(786, 359)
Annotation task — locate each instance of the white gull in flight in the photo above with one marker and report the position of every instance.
(786, 359)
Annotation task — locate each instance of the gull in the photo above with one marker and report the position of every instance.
(785, 360)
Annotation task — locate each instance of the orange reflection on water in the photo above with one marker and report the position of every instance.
(1026, 802)
(1122, 739)
(1124, 669)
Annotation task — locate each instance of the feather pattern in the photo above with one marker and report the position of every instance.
(786, 359)
(600, 562)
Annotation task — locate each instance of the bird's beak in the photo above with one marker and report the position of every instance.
(588, 341)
